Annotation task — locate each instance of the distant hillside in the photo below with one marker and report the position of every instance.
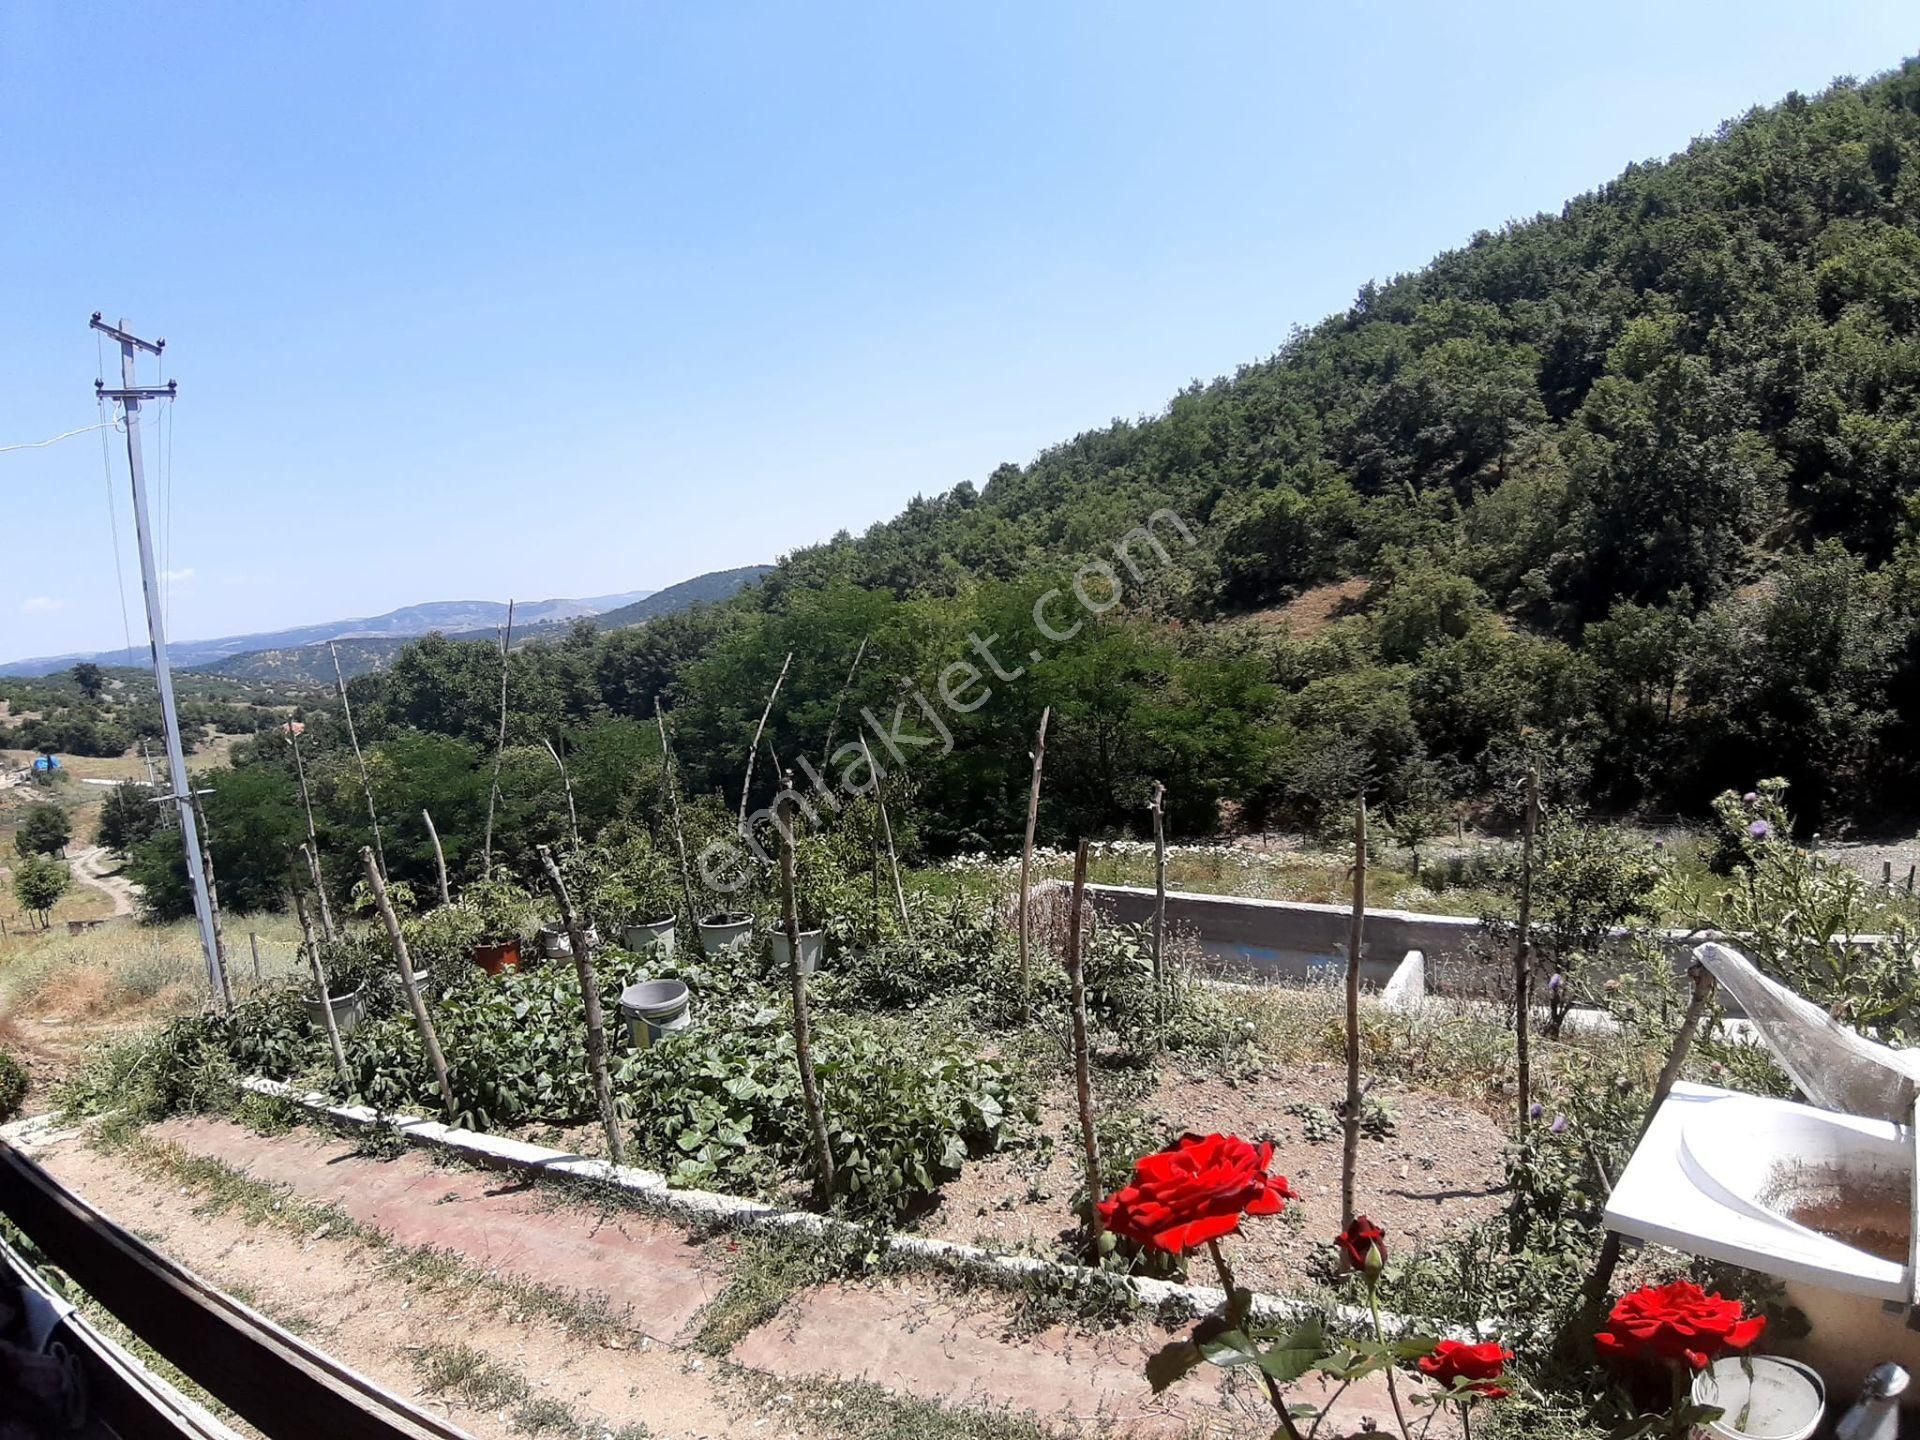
(359, 654)
(707, 589)
(447, 616)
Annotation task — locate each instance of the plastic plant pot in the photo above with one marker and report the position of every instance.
(556, 944)
(348, 1010)
(723, 931)
(1762, 1397)
(813, 944)
(496, 957)
(650, 933)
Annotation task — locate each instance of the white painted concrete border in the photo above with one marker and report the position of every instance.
(707, 1205)
(1407, 989)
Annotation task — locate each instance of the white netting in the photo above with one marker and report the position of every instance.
(1835, 1066)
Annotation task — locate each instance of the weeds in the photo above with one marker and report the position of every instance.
(465, 1373)
(768, 1268)
(226, 1190)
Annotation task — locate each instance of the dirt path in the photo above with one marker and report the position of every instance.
(702, 1341)
(90, 868)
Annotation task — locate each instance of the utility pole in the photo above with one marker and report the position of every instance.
(129, 396)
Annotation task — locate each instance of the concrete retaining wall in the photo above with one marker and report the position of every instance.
(1292, 939)
(1295, 940)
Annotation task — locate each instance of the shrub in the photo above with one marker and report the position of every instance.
(13, 1086)
(514, 1046)
(38, 883)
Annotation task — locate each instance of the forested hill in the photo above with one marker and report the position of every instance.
(1704, 364)
(1627, 493)
(1672, 428)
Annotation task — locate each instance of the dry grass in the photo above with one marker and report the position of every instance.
(1311, 611)
(133, 972)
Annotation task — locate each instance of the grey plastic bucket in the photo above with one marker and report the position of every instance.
(649, 933)
(348, 1010)
(655, 1009)
(813, 944)
(723, 932)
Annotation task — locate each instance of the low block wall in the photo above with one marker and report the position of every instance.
(1290, 939)
(1296, 940)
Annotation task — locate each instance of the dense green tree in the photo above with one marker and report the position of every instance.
(44, 831)
(38, 883)
(128, 816)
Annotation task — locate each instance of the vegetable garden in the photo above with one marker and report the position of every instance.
(1095, 1097)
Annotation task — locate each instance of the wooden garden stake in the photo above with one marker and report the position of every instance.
(1082, 1056)
(1026, 862)
(1523, 955)
(802, 1036)
(423, 1022)
(573, 816)
(439, 858)
(499, 746)
(1602, 1277)
(834, 724)
(673, 806)
(320, 985)
(1350, 1109)
(253, 943)
(590, 999)
(366, 785)
(327, 931)
(753, 750)
(886, 831)
(1160, 906)
(312, 855)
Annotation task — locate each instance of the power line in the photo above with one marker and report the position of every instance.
(64, 435)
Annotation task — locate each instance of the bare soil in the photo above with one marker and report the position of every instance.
(334, 1294)
(1441, 1169)
(911, 1335)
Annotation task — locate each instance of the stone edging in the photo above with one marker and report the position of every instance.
(709, 1206)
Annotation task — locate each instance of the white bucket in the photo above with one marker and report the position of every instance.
(556, 944)
(1783, 1400)
(655, 1009)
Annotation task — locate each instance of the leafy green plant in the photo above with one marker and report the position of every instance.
(907, 1108)
(497, 909)
(630, 882)
(13, 1086)
(1803, 919)
(906, 1105)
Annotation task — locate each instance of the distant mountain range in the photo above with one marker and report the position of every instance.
(368, 642)
(361, 652)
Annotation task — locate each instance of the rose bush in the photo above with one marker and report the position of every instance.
(1195, 1191)
(1359, 1239)
(1674, 1324)
(1469, 1369)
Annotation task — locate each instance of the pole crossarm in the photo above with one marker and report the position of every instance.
(152, 347)
(168, 391)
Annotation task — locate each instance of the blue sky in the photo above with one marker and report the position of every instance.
(479, 300)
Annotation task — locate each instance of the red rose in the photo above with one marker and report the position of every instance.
(1360, 1236)
(1194, 1192)
(1480, 1365)
(1669, 1323)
